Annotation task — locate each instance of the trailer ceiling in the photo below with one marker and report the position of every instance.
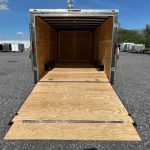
(74, 22)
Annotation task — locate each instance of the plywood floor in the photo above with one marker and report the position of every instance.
(75, 76)
(73, 103)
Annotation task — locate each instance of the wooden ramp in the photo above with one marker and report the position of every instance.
(73, 103)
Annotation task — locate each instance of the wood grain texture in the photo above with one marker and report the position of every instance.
(74, 45)
(72, 131)
(74, 70)
(73, 88)
(77, 76)
(62, 103)
(96, 98)
(73, 98)
(80, 64)
(46, 41)
(103, 44)
(73, 110)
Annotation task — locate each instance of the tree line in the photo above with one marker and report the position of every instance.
(135, 36)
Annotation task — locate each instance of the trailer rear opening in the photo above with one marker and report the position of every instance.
(74, 39)
(74, 60)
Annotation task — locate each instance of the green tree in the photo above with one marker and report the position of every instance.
(133, 36)
(147, 36)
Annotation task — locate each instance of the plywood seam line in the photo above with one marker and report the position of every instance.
(77, 81)
(71, 121)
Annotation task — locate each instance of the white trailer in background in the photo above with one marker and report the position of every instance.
(21, 47)
(17, 47)
(14, 47)
(126, 47)
(138, 48)
(132, 47)
(26, 43)
(6, 47)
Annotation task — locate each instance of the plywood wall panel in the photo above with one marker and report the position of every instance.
(74, 45)
(67, 46)
(42, 36)
(103, 44)
(46, 41)
(83, 44)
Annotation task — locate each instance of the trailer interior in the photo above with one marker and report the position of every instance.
(73, 100)
(78, 40)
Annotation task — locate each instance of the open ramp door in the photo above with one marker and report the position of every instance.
(73, 104)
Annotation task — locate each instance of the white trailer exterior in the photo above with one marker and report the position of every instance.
(6, 47)
(126, 47)
(26, 43)
(139, 48)
(17, 47)
(14, 47)
(21, 47)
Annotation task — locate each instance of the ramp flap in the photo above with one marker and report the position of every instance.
(72, 131)
(76, 104)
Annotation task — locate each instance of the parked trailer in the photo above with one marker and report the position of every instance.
(138, 48)
(126, 47)
(74, 59)
(6, 47)
(17, 47)
(14, 47)
(21, 47)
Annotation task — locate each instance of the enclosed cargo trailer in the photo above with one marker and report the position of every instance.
(138, 48)
(6, 47)
(73, 36)
(14, 47)
(21, 47)
(74, 59)
(17, 47)
(126, 47)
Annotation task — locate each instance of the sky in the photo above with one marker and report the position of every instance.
(14, 14)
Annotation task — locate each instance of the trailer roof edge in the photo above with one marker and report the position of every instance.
(112, 11)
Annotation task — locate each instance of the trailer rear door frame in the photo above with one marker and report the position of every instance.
(66, 13)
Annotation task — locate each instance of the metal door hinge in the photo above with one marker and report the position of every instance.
(113, 69)
(32, 25)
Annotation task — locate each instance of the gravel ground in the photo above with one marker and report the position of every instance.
(132, 83)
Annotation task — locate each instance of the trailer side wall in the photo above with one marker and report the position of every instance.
(103, 44)
(46, 38)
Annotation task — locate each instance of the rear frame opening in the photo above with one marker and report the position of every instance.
(101, 26)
